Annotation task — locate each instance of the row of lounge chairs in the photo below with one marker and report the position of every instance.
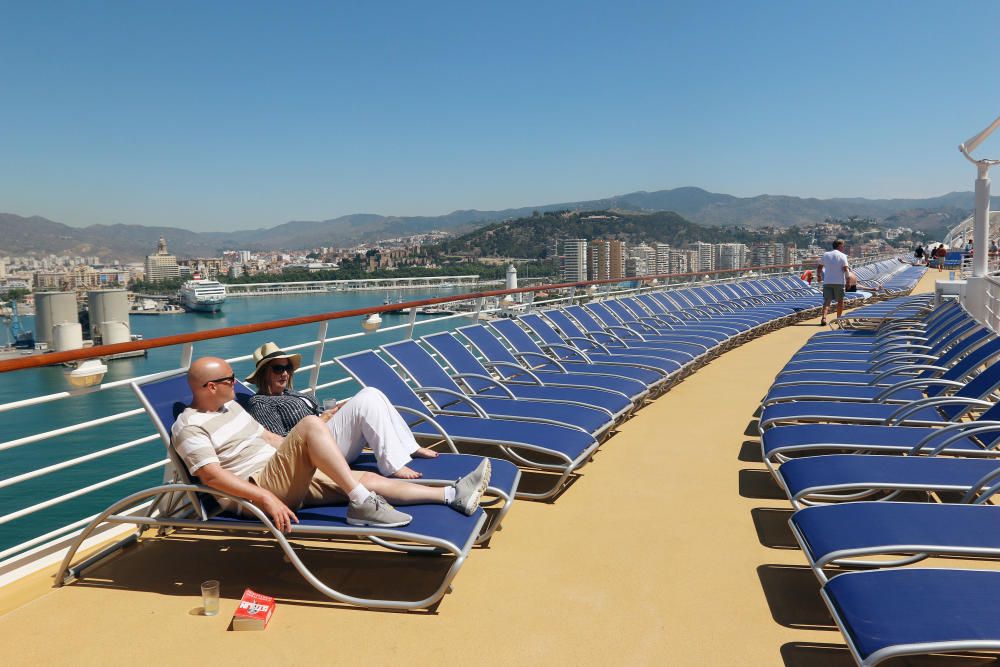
(885, 443)
(544, 390)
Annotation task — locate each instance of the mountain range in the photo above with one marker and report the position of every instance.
(40, 236)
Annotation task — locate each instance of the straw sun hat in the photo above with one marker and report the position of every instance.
(267, 353)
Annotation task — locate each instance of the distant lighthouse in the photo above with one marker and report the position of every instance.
(512, 281)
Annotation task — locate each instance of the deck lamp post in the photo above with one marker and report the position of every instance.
(980, 258)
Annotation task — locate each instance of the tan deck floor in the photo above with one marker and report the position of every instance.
(670, 549)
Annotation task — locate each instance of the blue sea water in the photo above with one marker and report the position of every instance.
(43, 381)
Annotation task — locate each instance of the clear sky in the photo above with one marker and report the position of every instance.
(235, 115)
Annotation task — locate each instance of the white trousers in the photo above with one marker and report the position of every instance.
(369, 418)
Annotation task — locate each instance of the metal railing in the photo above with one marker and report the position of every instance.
(127, 423)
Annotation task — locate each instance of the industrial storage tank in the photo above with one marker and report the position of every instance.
(109, 305)
(67, 336)
(52, 308)
(114, 332)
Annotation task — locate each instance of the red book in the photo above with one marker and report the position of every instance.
(254, 611)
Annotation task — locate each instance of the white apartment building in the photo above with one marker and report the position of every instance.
(705, 256)
(574, 263)
(731, 256)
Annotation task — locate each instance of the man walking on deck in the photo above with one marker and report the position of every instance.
(221, 443)
(832, 272)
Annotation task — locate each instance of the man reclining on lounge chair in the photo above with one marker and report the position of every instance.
(222, 444)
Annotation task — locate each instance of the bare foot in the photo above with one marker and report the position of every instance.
(424, 453)
(407, 473)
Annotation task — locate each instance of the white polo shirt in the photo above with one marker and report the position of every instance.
(834, 262)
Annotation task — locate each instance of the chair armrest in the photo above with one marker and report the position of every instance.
(522, 369)
(454, 394)
(433, 422)
(906, 384)
(898, 358)
(485, 378)
(954, 432)
(933, 402)
(575, 353)
(907, 369)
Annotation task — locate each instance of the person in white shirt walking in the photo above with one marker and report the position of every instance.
(832, 272)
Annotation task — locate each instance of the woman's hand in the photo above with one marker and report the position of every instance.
(328, 414)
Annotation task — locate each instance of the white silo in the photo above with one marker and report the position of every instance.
(108, 307)
(52, 308)
(67, 336)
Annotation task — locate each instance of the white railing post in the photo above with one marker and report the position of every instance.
(318, 357)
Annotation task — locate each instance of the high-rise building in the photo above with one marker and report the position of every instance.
(730, 256)
(616, 259)
(682, 261)
(662, 258)
(574, 262)
(162, 265)
(598, 259)
(768, 254)
(705, 256)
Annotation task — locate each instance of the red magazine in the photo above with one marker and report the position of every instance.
(254, 611)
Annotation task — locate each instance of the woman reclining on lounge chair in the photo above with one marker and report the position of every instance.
(367, 417)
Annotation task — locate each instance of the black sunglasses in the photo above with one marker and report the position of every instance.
(281, 368)
(231, 379)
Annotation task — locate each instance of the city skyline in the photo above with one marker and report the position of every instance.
(221, 116)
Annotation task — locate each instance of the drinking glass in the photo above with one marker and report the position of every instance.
(210, 597)
(329, 404)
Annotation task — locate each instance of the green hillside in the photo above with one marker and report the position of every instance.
(529, 237)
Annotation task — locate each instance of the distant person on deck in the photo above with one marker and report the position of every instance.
(832, 272)
(221, 444)
(368, 417)
(919, 253)
(939, 254)
(993, 247)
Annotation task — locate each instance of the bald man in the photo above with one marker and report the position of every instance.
(221, 444)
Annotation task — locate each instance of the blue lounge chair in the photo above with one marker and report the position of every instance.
(574, 360)
(912, 389)
(524, 366)
(568, 347)
(471, 371)
(184, 503)
(850, 534)
(846, 477)
(597, 317)
(544, 447)
(914, 611)
(929, 411)
(447, 396)
(685, 353)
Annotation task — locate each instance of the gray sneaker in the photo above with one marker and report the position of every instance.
(376, 511)
(469, 489)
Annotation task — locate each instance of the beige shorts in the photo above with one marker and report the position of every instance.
(291, 476)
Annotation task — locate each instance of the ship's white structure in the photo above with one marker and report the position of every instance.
(203, 295)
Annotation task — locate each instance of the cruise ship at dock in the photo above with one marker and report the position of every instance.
(203, 295)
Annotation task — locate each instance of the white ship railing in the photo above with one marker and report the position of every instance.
(40, 550)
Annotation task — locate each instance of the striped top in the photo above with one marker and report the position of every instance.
(280, 413)
(229, 437)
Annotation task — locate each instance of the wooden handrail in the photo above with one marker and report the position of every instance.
(51, 358)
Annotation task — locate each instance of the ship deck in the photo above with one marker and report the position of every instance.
(670, 548)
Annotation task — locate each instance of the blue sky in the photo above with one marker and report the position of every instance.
(237, 115)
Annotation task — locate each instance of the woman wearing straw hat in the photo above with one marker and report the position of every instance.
(368, 417)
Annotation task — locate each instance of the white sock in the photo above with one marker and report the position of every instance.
(449, 494)
(358, 494)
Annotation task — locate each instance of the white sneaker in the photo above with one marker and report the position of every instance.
(376, 511)
(469, 489)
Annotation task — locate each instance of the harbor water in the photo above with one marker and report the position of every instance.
(62, 413)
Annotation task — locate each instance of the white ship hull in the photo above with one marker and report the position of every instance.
(203, 296)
